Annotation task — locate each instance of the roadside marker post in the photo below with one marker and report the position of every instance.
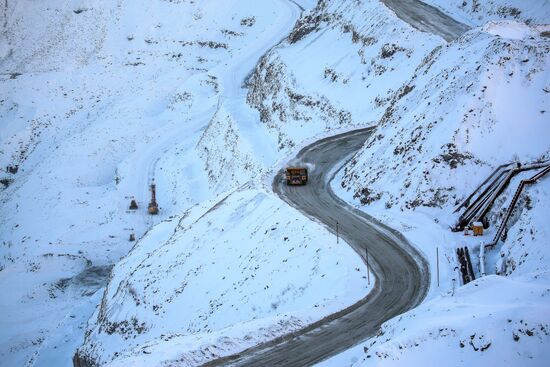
(337, 239)
(437, 260)
(368, 268)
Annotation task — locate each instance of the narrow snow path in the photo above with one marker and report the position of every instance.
(232, 77)
(232, 98)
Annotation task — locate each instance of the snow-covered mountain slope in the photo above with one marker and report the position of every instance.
(475, 12)
(225, 148)
(97, 101)
(495, 320)
(228, 156)
(465, 108)
(339, 67)
(249, 257)
(472, 105)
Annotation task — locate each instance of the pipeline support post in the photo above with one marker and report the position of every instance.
(482, 259)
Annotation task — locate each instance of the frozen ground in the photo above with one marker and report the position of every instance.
(99, 99)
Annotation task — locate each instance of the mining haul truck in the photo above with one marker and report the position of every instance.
(296, 176)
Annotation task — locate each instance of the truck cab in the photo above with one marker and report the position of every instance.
(296, 175)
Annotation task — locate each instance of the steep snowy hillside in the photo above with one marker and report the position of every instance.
(496, 320)
(472, 105)
(201, 281)
(339, 67)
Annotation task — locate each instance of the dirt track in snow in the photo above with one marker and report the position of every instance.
(402, 275)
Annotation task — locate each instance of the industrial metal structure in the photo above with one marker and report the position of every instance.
(153, 207)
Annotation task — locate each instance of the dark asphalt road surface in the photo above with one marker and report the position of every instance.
(427, 18)
(402, 275)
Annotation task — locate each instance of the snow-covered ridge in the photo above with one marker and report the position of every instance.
(515, 30)
(229, 158)
(462, 114)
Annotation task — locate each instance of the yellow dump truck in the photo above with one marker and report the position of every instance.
(296, 176)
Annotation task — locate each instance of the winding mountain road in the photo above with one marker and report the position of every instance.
(402, 275)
